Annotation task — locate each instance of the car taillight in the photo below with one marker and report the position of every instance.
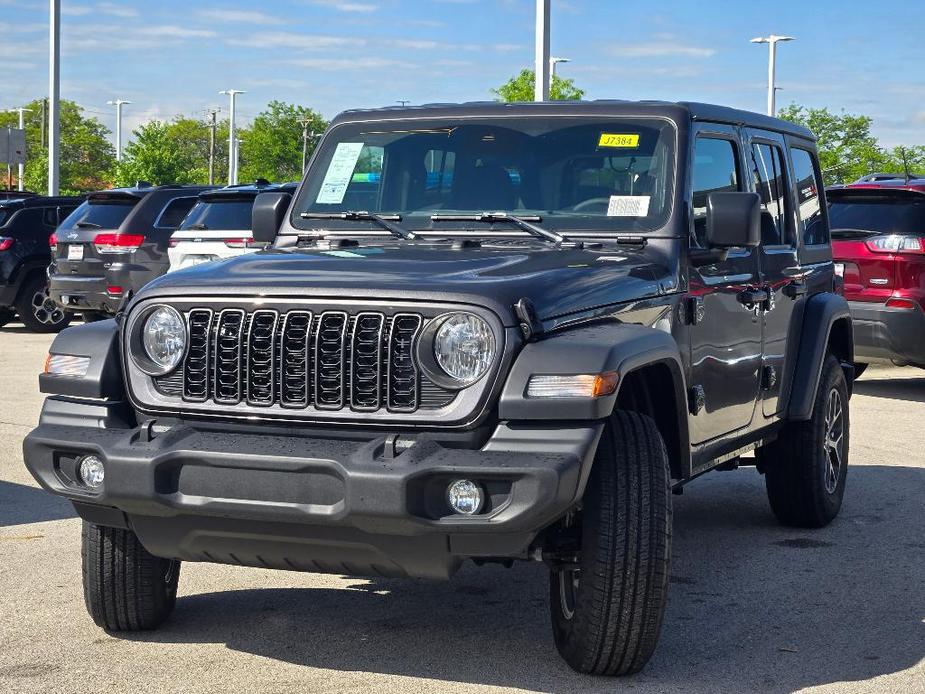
(243, 242)
(53, 242)
(173, 243)
(6, 243)
(896, 243)
(901, 303)
(118, 243)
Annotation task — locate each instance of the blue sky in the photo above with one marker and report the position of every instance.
(171, 57)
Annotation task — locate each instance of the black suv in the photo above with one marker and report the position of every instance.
(114, 244)
(26, 228)
(489, 332)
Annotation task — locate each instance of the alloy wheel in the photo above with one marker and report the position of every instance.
(834, 443)
(45, 310)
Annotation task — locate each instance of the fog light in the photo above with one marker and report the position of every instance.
(91, 471)
(465, 497)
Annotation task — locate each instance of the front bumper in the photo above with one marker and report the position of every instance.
(314, 504)
(883, 334)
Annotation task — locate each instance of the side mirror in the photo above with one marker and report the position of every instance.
(733, 220)
(268, 215)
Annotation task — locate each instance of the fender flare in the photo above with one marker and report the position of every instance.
(100, 342)
(24, 271)
(820, 314)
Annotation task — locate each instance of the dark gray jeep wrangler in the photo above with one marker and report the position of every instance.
(489, 332)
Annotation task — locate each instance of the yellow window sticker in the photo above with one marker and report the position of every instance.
(623, 140)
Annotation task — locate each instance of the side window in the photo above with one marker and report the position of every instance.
(174, 212)
(771, 184)
(812, 222)
(715, 170)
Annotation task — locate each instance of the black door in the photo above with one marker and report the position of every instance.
(726, 335)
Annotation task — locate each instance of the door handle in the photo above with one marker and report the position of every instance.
(795, 289)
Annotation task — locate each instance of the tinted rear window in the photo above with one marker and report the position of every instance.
(103, 215)
(224, 215)
(883, 217)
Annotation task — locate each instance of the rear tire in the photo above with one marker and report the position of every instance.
(36, 309)
(126, 588)
(859, 368)
(607, 614)
(806, 467)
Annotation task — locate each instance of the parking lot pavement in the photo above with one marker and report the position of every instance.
(753, 606)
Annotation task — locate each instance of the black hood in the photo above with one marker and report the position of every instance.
(558, 281)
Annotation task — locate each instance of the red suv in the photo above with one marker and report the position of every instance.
(878, 241)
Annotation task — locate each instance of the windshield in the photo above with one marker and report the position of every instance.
(886, 217)
(576, 174)
(222, 215)
(103, 215)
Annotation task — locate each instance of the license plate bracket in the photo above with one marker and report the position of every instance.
(75, 251)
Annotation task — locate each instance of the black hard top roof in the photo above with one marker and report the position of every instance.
(248, 190)
(141, 191)
(677, 111)
(42, 201)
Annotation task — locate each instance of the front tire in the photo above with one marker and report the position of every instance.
(607, 611)
(126, 588)
(806, 467)
(36, 309)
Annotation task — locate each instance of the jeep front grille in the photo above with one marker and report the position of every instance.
(300, 359)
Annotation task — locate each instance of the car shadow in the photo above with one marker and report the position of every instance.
(21, 504)
(911, 389)
(753, 606)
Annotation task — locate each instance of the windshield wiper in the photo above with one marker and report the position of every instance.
(87, 225)
(524, 223)
(384, 221)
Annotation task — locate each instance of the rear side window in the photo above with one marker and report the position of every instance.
(174, 212)
(883, 216)
(107, 214)
(771, 184)
(222, 215)
(808, 185)
(715, 170)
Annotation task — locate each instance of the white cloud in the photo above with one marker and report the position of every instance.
(286, 39)
(173, 31)
(664, 45)
(116, 10)
(75, 10)
(246, 16)
(350, 63)
(347, 5)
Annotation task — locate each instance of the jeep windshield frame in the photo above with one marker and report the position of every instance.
(583, 175)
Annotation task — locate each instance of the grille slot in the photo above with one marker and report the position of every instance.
(228, 350)
(366, 362)
(261, 353)
(196, 367)
(302, 359)
(402, 383)
(295, 355)
(330, 348)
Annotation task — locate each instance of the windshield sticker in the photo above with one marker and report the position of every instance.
(339, 174)
(628, 206)
(619, 140)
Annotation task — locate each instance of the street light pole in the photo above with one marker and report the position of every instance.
(19, 172)
(213, 124)
(772, 42)
(541, 89)
(118, 103)
(54, 94)
(305, 136)
(552, 69)
(232, 140)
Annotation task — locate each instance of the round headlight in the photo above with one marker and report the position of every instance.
(163, 339)
(464, 347)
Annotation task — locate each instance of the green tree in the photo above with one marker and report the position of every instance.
(87, 158)
(521, 88)
(847, 149)
(173, 152)
(272, 147)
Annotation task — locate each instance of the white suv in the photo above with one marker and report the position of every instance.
(219, 225)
